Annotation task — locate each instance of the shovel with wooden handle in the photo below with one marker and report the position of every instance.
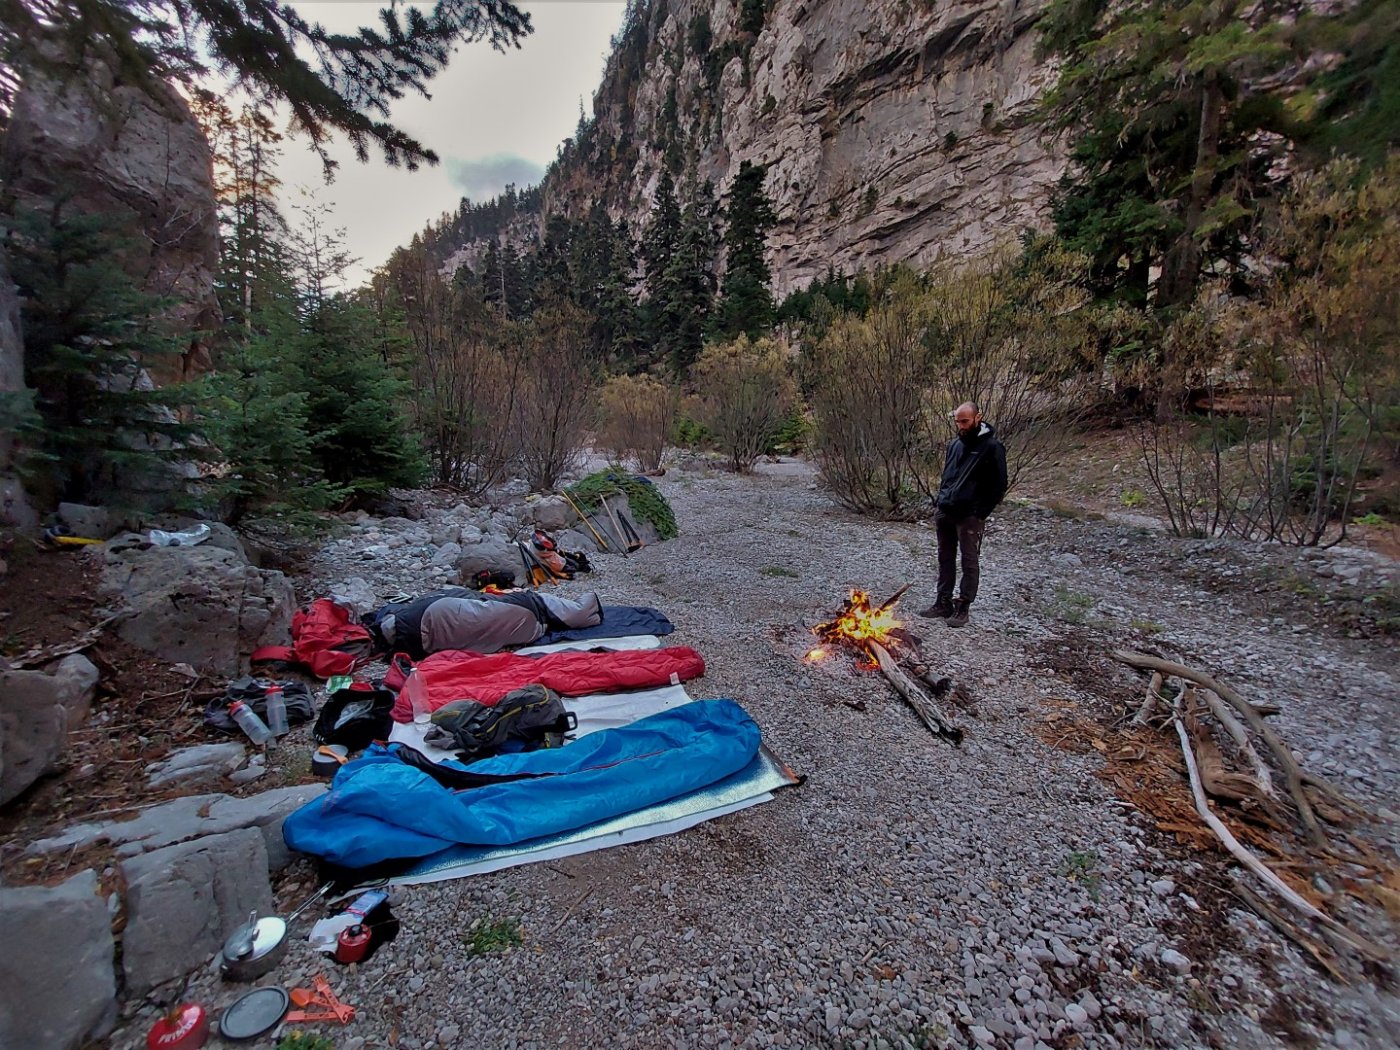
(584, 518)
(617, 529)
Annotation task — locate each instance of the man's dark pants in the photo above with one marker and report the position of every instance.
(958, 536)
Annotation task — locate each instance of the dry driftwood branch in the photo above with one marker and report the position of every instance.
(1149, 703)
(915, 697)
(1244, 856)
(42, 655)
(1219, 779)
(1277, 747)
(1241, 738)
(1266, 911)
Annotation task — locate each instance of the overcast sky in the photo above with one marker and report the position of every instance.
(494, 118)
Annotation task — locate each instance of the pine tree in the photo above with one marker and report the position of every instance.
(359, 436)
(689, 282)
(245, 150)
(746, 303)
(661, 237)
(1165, 103)
(329, 81)
(102, 429)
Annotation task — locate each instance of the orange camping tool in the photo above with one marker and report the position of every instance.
(319, 1004)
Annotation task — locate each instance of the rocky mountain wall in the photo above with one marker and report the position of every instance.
(893, 131)
(133, 153)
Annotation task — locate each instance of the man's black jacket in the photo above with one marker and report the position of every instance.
(974, 475)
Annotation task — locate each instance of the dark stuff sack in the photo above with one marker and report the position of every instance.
(355, 716)
(253, 692)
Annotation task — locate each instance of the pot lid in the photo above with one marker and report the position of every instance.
(267, 935)
(254, 1013)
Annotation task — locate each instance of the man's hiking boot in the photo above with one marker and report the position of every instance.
(939, 610)
(958, 617)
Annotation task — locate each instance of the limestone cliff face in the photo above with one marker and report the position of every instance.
(893, 130)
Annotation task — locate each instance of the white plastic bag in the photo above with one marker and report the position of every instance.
(185, 538)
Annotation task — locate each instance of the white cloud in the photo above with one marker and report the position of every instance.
(488, 110)
(482, 178)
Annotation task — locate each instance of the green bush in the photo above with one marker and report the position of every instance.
(644, 498)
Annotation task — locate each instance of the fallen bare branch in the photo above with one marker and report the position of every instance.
(1149, 704)
(1241, 738)
(1227, 837)
(1277, 747)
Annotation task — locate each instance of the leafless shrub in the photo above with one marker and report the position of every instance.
(555, 395)
(1010, 334)
(463, 372)
(635, 416)
(744, 393)
(1318, 361)
(867, 379)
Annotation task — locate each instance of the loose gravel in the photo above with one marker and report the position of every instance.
(908, 893)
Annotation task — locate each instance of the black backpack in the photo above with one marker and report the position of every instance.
(532, 716)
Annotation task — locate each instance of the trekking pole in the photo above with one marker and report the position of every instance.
(584, 518)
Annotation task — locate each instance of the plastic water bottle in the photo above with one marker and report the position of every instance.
(417, 691)
(276, 711)
(249, 722)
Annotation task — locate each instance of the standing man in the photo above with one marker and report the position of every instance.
(974, 482)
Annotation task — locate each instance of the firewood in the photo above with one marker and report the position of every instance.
(1149, 704)
(1240, 736)
(1282, 755)
(1334, 931)
(1226, 836)
(916, 698)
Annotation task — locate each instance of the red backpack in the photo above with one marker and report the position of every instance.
(325, 639)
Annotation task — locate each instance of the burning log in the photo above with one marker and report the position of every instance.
(915, 697)
(872, 630)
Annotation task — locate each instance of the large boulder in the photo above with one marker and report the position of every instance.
(204, 606)
(183, 901)
(192, 817)
(60, 986)
(551, 513)
(491, 554)
(36, 712)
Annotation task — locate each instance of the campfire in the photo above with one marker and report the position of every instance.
(877, 634)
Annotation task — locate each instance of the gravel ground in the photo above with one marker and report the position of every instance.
(911, 893)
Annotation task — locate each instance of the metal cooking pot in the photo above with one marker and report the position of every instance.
(259, 944)
(254, 948)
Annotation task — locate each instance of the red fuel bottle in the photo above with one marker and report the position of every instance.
(353, 944)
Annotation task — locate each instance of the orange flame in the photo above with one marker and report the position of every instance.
(815, 656)
(860, 623)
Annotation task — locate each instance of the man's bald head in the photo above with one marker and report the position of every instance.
(967, 418)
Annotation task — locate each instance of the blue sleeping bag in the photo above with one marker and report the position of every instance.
(380, 808)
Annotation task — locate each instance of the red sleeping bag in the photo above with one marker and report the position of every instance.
(456, 674)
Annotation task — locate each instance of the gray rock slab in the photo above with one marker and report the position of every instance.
(204, 606)
(184, 900)
(36, 712)
(192, 817)
(56, 972)
(202, 764)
